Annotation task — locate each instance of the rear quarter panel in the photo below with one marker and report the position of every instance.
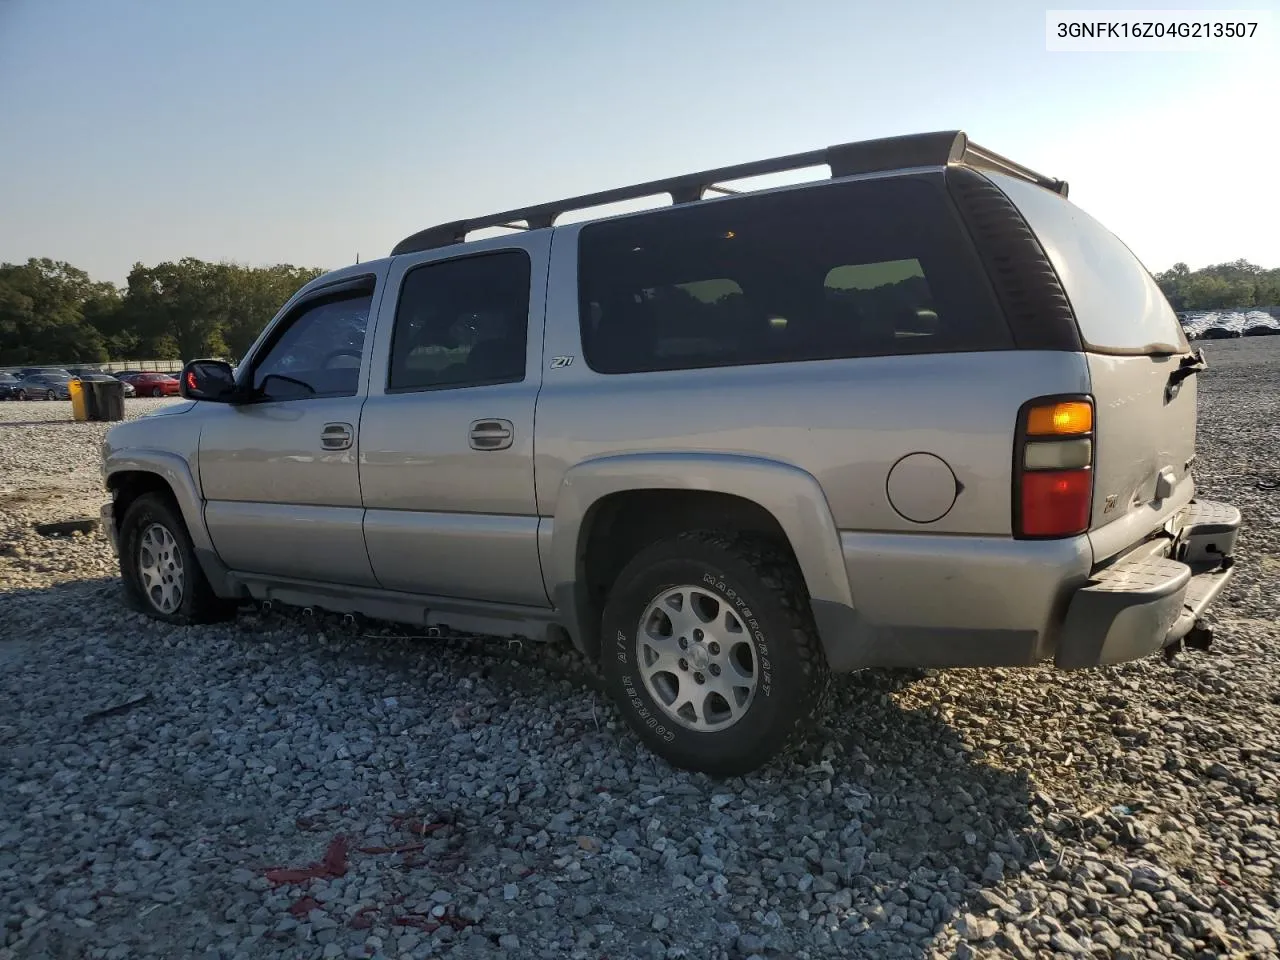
(846, 422)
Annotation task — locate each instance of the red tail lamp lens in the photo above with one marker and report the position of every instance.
(1055, 503)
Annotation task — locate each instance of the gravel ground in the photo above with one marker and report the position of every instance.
(282, 788)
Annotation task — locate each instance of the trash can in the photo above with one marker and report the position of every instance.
(79, 405)
(107, 400)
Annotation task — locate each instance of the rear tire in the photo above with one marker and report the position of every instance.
(666, 672)
(162, 577)
(50, 395)
(157, 392)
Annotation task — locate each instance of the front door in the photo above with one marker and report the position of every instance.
(447, 431)
(279, 473)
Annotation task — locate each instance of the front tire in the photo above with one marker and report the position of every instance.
(51, 395)
(157, 392)
(709, 649)
(162, 577)
(21, 395)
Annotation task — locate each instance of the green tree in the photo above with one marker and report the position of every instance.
(255, 297)
(1238, 285)
(42, 314)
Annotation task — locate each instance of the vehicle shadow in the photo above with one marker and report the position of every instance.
(942, 828)
(871, 838)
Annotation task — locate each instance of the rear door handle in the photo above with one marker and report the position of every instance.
(336, 436)
(491, 434)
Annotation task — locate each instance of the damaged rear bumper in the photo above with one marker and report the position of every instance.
(1152, 597)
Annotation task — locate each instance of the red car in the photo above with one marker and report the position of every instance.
(153, 384)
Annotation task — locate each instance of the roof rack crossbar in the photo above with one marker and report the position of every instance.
(843, 160)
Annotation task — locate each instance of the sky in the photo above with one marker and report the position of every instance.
(312, 132)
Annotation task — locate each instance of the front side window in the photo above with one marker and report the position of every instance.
(462, 323)
(864, 268)
(319, 353)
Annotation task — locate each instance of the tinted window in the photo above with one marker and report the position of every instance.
(319, 353)
(1117, 304)
(840, 270)
(462, 323)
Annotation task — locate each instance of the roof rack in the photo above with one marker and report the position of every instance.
(847, 159)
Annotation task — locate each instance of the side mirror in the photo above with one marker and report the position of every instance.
(208, 380)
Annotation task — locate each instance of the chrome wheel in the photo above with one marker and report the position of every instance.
(160, 568)
(696, 658)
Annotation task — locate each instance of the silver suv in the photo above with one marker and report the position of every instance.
(924, 412)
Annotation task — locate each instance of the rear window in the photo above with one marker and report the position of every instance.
(1118, 306)
(867, 268)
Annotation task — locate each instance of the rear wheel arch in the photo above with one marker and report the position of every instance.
(621, 525)
(609, 510)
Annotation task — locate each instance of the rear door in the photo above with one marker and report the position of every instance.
(446, 449)
(1145, 431)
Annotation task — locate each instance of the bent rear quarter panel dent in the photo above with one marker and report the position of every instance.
(791, 495)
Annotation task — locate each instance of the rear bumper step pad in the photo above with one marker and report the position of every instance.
(1136, 607)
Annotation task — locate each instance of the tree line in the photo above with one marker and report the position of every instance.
(1239, 285)
(53, 312)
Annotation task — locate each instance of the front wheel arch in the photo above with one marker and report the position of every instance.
(199, 604)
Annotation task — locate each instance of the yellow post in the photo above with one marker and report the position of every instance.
(79, 409)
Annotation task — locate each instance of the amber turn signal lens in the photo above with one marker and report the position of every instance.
(1067, 418)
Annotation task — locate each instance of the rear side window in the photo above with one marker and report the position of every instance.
(462, 323)
(1117, 304)
(867, 268)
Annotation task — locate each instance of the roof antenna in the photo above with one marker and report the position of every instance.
(357, 256)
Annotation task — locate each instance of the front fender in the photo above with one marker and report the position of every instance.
(174, 470)
(792, 496)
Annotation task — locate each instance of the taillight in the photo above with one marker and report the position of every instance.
(1053, 467)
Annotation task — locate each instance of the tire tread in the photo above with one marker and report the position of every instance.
(775, 572)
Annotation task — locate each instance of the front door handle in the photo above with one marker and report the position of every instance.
(337, 436)
(491, 434)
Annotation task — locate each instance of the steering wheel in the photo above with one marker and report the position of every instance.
(342, 352)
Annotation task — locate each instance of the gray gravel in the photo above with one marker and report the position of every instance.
(467, 799)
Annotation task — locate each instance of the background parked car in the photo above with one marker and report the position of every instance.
(43, 371)
(8, 384)
(153, 384)
(43, 386)
(129, 389)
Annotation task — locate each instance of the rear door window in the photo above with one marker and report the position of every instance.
(1118, 305)
(462, 323)
(862, 268)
